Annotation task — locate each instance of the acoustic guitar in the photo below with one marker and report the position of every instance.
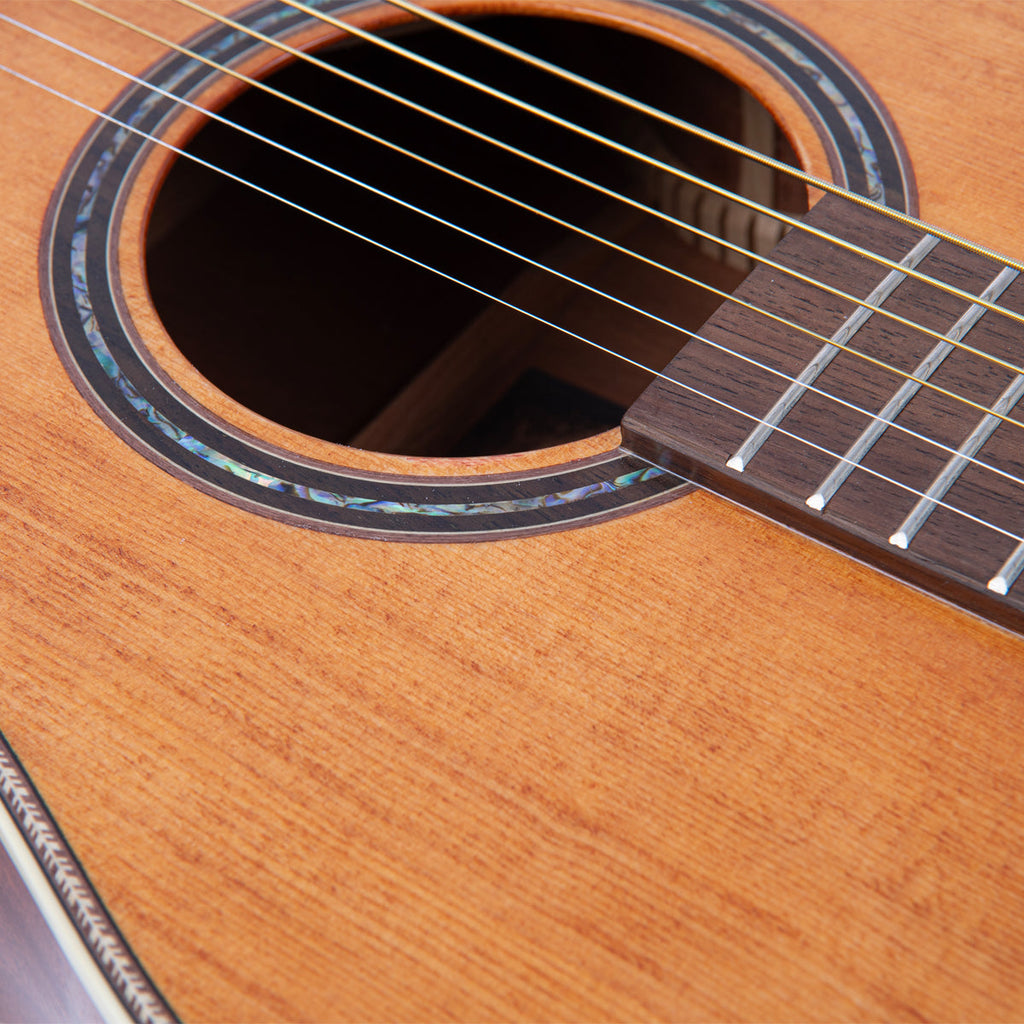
(484, 538)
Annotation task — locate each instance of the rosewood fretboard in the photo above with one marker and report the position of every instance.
(893, 442)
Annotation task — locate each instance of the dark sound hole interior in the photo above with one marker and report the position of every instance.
(336, 337)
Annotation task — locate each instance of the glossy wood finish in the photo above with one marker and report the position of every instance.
(683, 766)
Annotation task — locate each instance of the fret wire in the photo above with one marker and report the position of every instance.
(494, 298)
(299, 54)
(955, 466)
(931, 362)
(678, 172)
(825, 355)
(1008, 573)
(704, 134)
(563, 172)
(834, 344)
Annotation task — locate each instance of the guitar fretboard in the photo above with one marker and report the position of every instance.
(865, 405)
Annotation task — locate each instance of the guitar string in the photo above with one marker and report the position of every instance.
(494, 298)
(765, 367)
(881, 364)
(668, 168)
(792, 222)
(691, 334)
(701, 133)
(68, 48)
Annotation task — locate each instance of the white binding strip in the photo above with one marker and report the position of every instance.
(931, 362)
(956, 465)
(51, 909)
(853, 323)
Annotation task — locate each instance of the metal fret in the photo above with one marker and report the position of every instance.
(826, 354)
(931, 362)
(956, 465)
(1007, 575)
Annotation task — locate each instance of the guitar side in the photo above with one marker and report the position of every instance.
(683, 764)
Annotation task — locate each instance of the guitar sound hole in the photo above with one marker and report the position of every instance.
(334, 337)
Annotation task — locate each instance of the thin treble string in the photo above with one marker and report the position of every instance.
(767, 211)
(922, 382)
(281, 147)
(611, 193)
(494, 298)
(702, 133)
